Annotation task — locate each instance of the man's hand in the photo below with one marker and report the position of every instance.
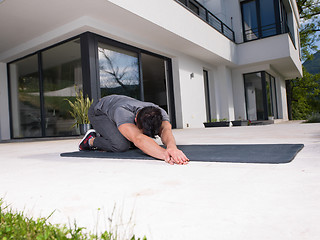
(176, 156)
(171, 155)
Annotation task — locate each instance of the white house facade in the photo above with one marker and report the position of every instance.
(199, 60)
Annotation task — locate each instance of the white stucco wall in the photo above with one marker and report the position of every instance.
(238, 95)
(282, 99)
(234, 18)
(177, 92)
(190, 27)
(4, 107)
(192, 92)
(223, 93)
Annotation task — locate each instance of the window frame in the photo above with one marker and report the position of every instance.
(90, 74)
(264, 95)
(38, 55)
(279, 30)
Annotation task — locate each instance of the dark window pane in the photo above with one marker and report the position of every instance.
(271, 96)
(254, 96)
(62, 73)
(25, 98)
(207, 94)
(268, 21)
(154, 80)
(250, 22)
(260, 101)
(119, 71)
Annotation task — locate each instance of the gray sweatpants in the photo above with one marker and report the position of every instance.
(110, 138)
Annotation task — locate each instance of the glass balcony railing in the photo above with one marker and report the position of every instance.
(267, 31)
(203, 13)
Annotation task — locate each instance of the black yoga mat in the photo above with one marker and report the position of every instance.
(239, 153)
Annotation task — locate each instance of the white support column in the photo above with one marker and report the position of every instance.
(282, 99)
(177, 92)
(4, 103)
(239, 100)
(224, 93)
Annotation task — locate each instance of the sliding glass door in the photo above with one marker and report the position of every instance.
(25, 98)
(61, 78)
(254, 96)
(260, 94)
(263, 18)
(131, 72)
(271, 96)
(39, 87)
(119, 71)
(41, 83)
(154, 79)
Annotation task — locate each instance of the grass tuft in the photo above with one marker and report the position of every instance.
(15, 225)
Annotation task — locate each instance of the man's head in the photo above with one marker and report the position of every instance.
(149, 119)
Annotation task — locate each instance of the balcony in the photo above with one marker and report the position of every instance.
(199, 10)
(267, 31)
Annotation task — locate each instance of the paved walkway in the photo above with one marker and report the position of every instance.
(224, 201)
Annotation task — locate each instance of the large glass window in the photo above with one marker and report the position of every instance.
(268, 18)
(154, 80)
(263, 18)
(260, 93)
(119, 71)
(25, 98)
(250, 20)
(62, 77)
(39, 90)
(254, 96)
(271, 96)
(41, 83)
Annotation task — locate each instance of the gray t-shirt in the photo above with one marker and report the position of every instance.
(122, 109)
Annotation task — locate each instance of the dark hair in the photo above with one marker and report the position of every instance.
(149, 119)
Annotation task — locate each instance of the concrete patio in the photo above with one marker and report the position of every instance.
(224, 201)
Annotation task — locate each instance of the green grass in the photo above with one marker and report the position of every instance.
(15, 225)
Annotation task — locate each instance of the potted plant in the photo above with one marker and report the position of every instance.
(79, 111)
(217, 123)
(240, 122)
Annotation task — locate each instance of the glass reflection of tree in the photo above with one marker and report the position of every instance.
(119, 72)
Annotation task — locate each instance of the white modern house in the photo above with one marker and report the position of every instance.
(199, 60)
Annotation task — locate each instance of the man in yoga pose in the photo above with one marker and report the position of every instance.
(121, 121)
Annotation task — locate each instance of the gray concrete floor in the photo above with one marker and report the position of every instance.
(196, 201)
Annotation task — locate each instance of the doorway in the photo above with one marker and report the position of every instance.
(207, 95)
(260, 94)
(154, 77)
(138, 74)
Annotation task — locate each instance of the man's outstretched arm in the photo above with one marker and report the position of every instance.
(145, 143)
(176, 155)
